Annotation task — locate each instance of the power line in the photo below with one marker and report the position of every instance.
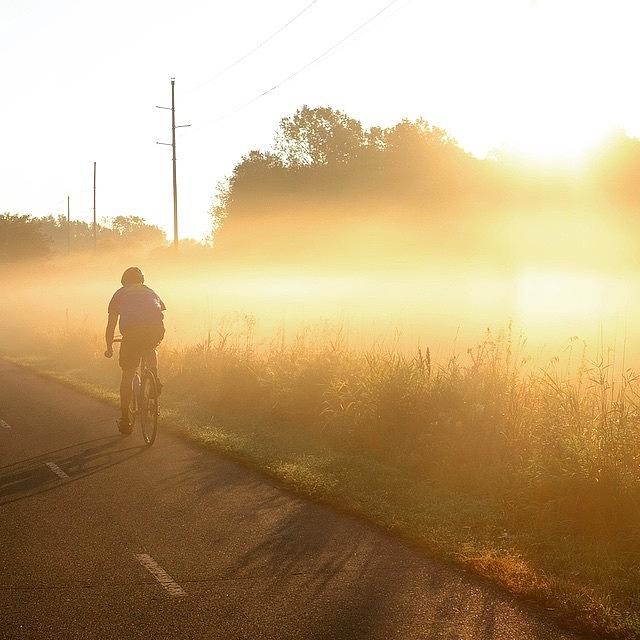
(259, 46)
(303, 68)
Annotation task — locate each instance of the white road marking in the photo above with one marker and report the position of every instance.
(4, 425)
(57, 470)
(160, 574)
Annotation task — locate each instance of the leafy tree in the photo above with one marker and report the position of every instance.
(257, 184)
(424, 163)
(55, 229)
(324, 163)
(134, 230)
(21, 238)
(325, 160)
(320, 136)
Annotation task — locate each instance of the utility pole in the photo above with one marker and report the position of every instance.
(175, 182)
(173, 146)
(68, 227)
(95, 228)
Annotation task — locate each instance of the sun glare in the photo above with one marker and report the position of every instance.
(552, 93)
(560, 146)
(543, 144)
(548, 295)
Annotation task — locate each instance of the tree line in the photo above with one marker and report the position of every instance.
(26, 237)
(326, 162)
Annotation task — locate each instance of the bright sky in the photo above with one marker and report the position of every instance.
(81, 78)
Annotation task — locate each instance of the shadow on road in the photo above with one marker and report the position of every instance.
(301, 556)
(47, 455)
(32, 476)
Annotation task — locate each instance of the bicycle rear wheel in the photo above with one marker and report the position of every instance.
(149, 408)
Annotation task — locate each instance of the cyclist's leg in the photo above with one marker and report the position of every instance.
(130, 353)
(151, 354)
(150, 359)
(125, 392)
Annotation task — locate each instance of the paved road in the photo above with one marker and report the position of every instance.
(102, 538)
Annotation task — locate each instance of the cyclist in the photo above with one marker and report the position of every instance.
(142, 328)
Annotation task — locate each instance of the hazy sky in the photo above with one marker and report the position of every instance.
(81, 78)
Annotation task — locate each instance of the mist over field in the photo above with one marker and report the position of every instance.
(402, 286)
(393, 236)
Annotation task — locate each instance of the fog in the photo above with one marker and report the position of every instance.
(550, 277)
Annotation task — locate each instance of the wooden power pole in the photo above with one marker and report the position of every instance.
(175, 181)
(95, 227)
(68, 226)
(173, 147)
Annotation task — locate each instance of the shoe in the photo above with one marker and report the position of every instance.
(124, 427)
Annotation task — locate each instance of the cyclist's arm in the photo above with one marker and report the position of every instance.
(110, 330)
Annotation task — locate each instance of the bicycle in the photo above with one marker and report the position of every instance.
(143, 406)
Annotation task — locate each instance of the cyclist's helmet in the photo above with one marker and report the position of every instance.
(132, 275)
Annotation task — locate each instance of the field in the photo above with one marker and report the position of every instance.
(515, 459)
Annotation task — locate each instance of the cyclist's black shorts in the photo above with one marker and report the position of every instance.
(136, 340)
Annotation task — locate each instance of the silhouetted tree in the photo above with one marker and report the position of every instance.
(326, 164)
(323, 156)
(55, 229)
(319, 136)
(134, 230)
(21, 237)
(257, 184)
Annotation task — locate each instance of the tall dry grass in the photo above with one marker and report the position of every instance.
(568, 431)
(489, 417)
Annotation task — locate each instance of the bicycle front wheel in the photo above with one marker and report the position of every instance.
(149, 408)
